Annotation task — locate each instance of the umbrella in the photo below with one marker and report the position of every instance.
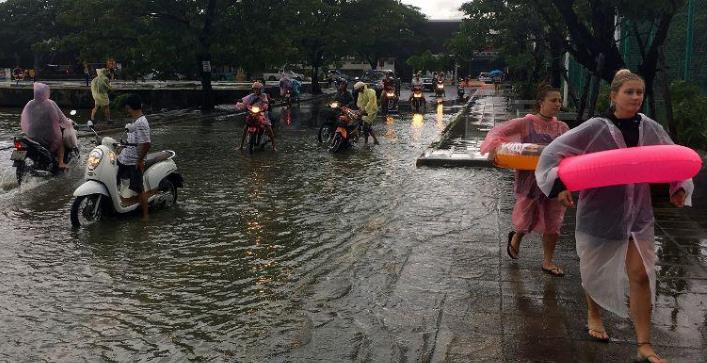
(495, 72)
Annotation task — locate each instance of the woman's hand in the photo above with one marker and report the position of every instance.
(678, 199)
(565, 198)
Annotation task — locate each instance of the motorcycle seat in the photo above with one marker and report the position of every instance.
(156, 157)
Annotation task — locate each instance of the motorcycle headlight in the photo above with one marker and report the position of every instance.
(391, 94)
(94, 159)
(255, 109)
(440, 86)
(334, 105)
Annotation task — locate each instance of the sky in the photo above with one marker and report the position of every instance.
(438, 9)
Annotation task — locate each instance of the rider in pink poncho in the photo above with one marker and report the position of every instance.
(42, 121)
(533, 211)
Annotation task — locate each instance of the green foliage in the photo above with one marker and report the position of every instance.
(604, 97)
(430, 62)
(690, 114)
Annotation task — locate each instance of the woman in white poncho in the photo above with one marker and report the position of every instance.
(615, 225)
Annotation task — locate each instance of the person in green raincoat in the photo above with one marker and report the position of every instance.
(368, 104)
(99, 89)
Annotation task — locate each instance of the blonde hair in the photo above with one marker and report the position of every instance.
(622, 76)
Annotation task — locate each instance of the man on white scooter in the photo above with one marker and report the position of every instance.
(131, 161)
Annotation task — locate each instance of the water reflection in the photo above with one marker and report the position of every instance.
(213, 274)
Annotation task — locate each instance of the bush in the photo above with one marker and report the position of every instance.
(689, 114)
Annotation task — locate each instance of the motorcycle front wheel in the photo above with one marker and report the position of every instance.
(337, 144)
(86, 210)
(252, 142)
(326, 132)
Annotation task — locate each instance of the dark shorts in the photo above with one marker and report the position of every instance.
(134, 174)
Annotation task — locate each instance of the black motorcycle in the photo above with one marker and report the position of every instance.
(439, 89)
(389, 101)
(32, 158)
(417, 101)
(460, 90)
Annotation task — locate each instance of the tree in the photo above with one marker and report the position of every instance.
(319, 34)
(382, 28)
(29, 30)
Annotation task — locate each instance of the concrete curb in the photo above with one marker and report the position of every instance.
(84, 133)
(427, 158)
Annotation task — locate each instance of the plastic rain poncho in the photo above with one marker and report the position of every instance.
(607, 217)
(533, 210)
(100, 87)
(41, 119)
(368, 103)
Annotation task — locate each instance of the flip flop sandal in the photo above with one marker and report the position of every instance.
(642, 359)
(601, 340)
(512, 253)
(555, 271)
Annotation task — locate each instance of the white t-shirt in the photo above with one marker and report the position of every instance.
(138, 133)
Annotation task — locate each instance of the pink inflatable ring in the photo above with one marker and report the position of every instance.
(634, 165)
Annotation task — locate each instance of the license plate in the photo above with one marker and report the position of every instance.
(18, 155)
(252, 129)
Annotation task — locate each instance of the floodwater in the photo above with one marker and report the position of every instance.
(302, 255)
(212, 276)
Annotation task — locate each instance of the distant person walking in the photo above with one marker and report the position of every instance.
(533, 211)
(99, 90)
(87, 74)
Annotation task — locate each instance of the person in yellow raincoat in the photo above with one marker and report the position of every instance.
(99, 90)
(368, 105)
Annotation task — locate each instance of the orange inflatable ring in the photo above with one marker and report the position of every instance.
(519, 156)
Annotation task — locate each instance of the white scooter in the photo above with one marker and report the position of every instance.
(102, 190)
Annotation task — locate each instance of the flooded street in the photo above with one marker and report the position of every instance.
(213, 276)
(302, 255)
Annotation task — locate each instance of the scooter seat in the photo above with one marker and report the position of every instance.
(156, 157)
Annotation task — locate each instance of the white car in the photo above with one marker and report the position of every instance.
(278, 75)
(485, 77)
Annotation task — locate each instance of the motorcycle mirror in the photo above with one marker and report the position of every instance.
(72, 112)
(89, 124)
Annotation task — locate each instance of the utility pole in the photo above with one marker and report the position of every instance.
(688, 41)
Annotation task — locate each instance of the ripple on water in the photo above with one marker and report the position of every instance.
(213, 276)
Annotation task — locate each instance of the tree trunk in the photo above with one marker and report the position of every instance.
(596, 81)
(316, 88)
(583, 101)
(665, 82)
(556, 65)
(570, 89)
(207, 101)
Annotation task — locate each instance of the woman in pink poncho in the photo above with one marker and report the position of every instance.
(533, 210)
(42, 121)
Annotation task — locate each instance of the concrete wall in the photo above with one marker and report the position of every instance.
(155, 99)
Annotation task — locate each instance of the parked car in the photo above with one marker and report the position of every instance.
(275, 76)
(485, 77)
(427, 84)
(374, 79)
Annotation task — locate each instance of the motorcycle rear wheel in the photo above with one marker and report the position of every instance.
(20, 171)
(167, 194)
(86, 210)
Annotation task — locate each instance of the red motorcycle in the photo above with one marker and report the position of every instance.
(347, 127)
(255, 128)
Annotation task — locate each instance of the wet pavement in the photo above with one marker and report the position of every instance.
(307, 256)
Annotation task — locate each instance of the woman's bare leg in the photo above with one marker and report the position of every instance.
(594, 322)
(640, 301)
